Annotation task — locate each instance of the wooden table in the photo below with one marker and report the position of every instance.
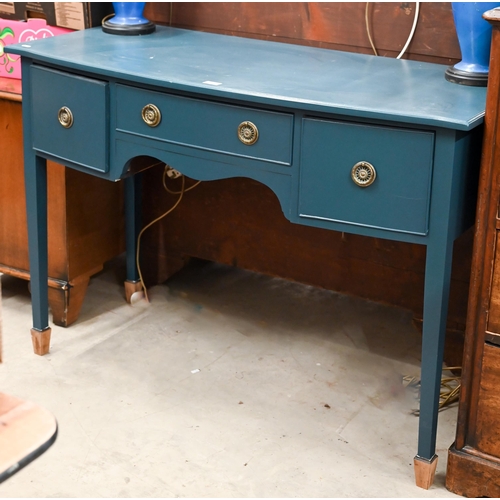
(347, 142)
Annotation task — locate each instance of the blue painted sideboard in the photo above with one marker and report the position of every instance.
(348, 142)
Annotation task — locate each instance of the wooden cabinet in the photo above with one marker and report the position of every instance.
(85, 217)
(474, 459)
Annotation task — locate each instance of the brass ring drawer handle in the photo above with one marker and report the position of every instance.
(248, 133)
(65, 117)
(151, 115)
(363, 174)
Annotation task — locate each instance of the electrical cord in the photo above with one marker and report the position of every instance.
(410, 37)
(367, 24)
(170, 210)
(105, 18)
(412, 32)
(177, 192)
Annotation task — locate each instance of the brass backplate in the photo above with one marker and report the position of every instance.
(248, 133)
(363, 174)
(151, 115)
(65, 117)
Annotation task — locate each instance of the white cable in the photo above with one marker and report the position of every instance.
(415, 19)
(367, 26)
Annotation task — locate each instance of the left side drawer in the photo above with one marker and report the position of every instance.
(70, 117)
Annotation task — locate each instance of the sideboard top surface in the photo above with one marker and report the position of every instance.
(270, 73)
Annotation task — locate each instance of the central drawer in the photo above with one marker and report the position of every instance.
(206, 125)
(366, 175)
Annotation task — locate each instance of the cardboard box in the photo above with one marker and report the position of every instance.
(70, 15)
(21, 32)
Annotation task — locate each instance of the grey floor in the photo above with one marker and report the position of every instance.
(227, 384)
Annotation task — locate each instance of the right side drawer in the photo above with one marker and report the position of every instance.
(70, 117)
(395, 164)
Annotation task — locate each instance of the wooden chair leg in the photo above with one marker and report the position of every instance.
(425, 470)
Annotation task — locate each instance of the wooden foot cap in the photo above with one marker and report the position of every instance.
(425, 471)
(41, 341)
(132, 287)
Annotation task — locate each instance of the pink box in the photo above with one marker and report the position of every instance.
(22, 32)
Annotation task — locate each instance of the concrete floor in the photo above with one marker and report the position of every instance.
(227, 384)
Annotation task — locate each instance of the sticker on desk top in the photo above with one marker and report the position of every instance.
(209, 82)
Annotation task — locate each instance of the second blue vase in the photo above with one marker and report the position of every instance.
(474, 38)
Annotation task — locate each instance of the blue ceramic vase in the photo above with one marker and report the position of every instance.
(474, 38)
(128, 20)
